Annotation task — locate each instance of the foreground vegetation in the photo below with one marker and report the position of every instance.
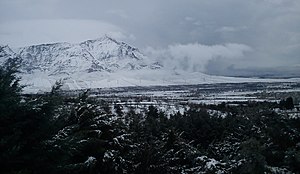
(51, 133)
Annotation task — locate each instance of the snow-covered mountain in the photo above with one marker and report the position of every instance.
(103, 62)
(104, 54)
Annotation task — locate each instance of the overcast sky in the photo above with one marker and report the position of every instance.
(213, 36)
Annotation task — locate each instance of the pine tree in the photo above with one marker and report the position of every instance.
(25, 124)
(10, 89)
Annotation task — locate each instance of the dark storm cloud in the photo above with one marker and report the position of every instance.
(269, 29)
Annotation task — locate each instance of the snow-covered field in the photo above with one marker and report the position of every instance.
(39, 82)
(178, 98)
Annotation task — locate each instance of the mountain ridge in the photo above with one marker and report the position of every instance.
(101, 54)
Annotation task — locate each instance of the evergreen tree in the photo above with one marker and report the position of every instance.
(289, 103)
(25, 124)
(255, 161)
(10, 89)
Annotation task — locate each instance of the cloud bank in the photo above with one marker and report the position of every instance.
(195, 57)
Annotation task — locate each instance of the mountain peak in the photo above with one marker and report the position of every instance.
(108, 38)
(5, 50)
(5, 53)
(103, 39)
(5, 47)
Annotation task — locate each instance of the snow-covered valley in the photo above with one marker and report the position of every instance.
(178, 98)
